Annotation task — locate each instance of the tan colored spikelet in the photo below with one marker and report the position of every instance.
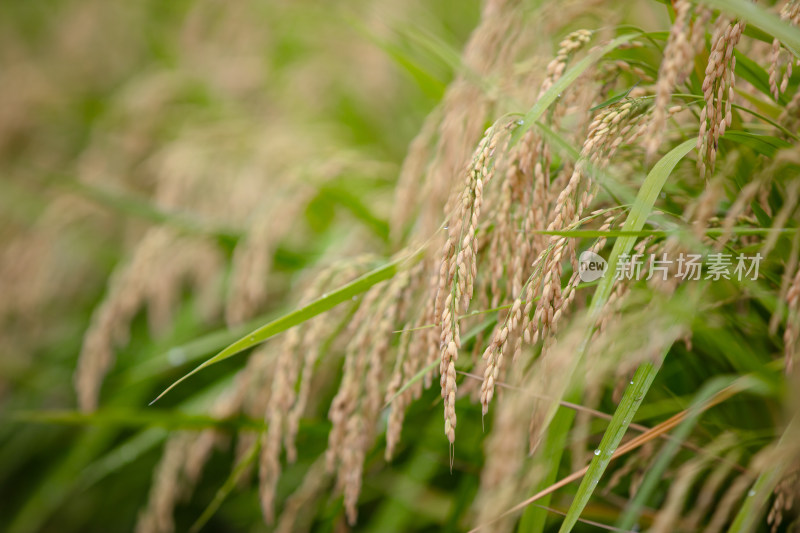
(712, 484)
(623, 66)
(570, 289)
(346, 399)
(792, 332)
(355, 408)
(287, 401)
(516, 214)
(252, 257)
(495, 353)
(522, 325)
(677, 64)
(505, 451)
(571, 43)
(674, 515)
(488, 256)
(790, 12)
(786, 496)
(153, 277)
(465, 107)
(606, 132)
(529, 175)
(459, 269)
(790, 116)
(398, 400)
(293, 519)
(166, 489)
(281, 400)
(726, 505)
(632, 466)
(705, 208)
(313, 338)
(718, 85)
(667, 519)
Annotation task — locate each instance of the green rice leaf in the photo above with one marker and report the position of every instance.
(318, 306)
(665, 456)
(763, 144)
(645, 374)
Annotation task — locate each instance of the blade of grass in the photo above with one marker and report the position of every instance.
(325, 303)
(169, 419)
(654, 433)
(634, 394)
(640, 210)
(144, 209)
(357, 208)
(655, 474)
(762, 144)
(534, 518)
(122, 455)
(614, 99)
(645, 374)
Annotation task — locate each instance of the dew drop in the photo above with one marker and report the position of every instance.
(631, 382)
(252, 339)
(520, 122)
(751, 493)
(597, 452)
(176, 356)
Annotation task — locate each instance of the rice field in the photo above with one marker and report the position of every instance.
(502, 265)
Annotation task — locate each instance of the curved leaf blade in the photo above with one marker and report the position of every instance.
(318, 306)
(634, 394)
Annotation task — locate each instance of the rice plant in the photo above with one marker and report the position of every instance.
(510, 265)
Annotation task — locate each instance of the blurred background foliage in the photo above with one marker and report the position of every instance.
(248, 102)
(198, 126)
